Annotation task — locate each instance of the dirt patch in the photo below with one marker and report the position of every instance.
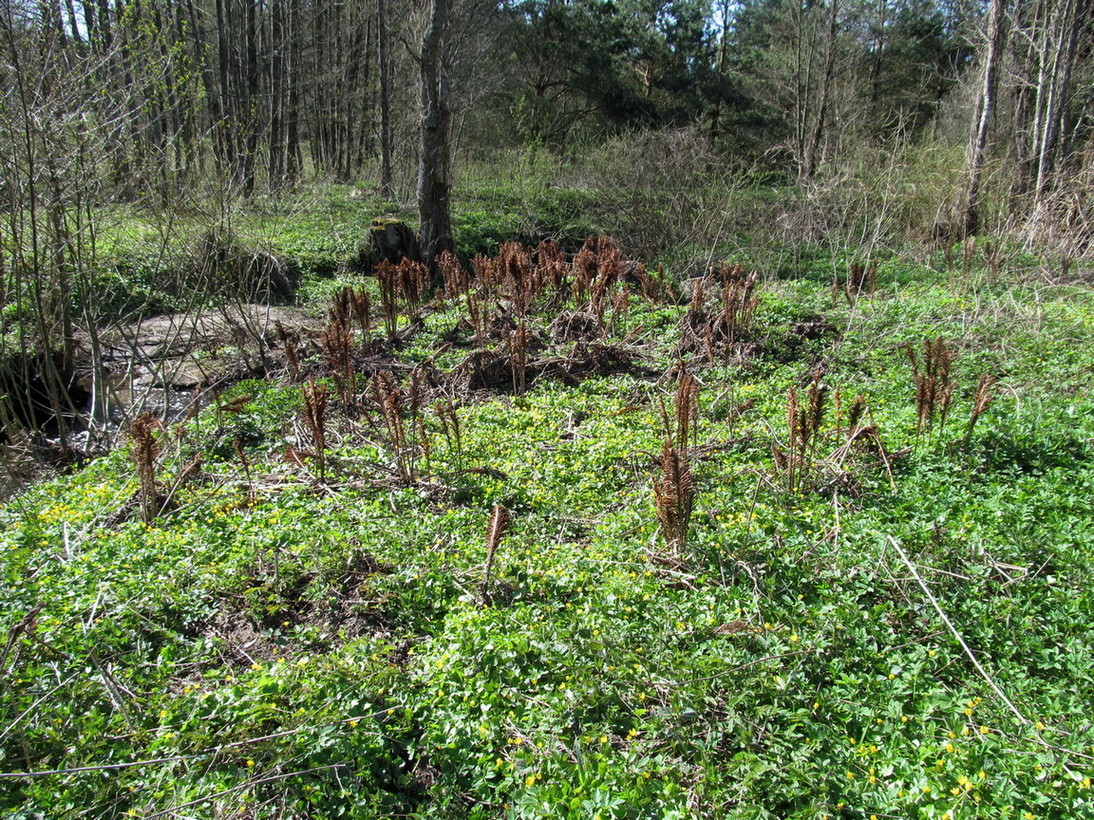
(490, 370)
(577, 325)
(293, 621)
(182, 351)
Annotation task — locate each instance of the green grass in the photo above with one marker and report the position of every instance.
(298, 648)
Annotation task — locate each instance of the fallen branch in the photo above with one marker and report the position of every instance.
(949, 624)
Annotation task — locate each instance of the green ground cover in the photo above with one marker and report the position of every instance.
(291, 639)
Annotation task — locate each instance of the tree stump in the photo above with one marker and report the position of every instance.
(392, 239)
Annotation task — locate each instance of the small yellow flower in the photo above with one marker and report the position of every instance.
(984, 730)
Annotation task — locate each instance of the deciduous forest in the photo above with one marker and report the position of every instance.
(546, 408)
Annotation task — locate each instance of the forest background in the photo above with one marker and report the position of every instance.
(669, 124)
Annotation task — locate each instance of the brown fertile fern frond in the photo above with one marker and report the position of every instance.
(686, 407)
(453, 274)
(495, 532)
(144, 448)
(933, 385)
(985, 394)
(674, 497)
(450, 426)
(338, 352)
(290, 342)
(314, 415)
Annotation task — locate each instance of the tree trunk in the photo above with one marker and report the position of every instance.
(985, 110)
(1057, 92)
(820, 122)
(434, 185)
(387, 184)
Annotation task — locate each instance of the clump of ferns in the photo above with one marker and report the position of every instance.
(714, 324)
(802, 461)
(144, 448)
(454, 276)
(402, 288)
(934, 385)
(554, 272)
(145, 432)
(804, 421)
(481, 294)
(402, 418)
(597, 270)
(673, 488)
(520, 279)
(609, 271)
(313, 414)
(354, 307)
(337, 346)
(585, 268)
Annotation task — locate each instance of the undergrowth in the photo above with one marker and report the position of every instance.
(325, 618)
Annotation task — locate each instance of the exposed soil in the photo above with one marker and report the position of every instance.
(184, 351)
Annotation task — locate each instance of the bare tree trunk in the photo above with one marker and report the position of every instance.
(252, 75)
(387, 184)
(816, 135)
(294, 158)
(277, 94)
(434, 184)
(1057, 91)
(985, 110)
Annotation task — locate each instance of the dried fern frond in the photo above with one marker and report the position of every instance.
(495, 532)
(143, 449)
(314, 414)
(674, 497)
